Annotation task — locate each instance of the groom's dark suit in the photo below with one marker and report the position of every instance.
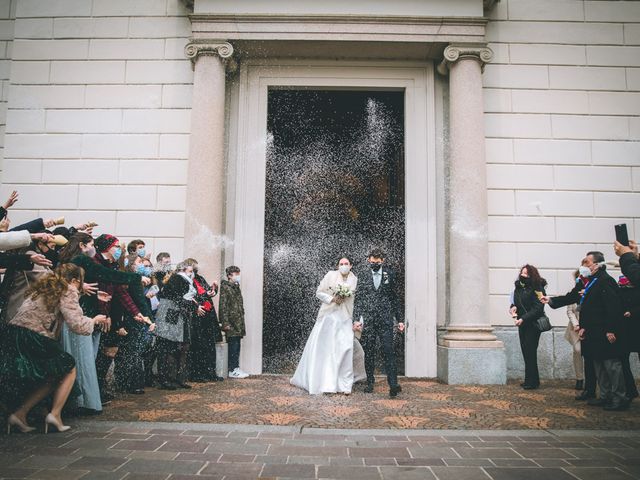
(378, 309)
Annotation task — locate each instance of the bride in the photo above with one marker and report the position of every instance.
(332, 359)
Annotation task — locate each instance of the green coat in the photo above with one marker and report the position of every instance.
(231, 309)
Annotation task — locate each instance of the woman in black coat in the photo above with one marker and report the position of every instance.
(201, 360)
(525, 310)
(173, 327)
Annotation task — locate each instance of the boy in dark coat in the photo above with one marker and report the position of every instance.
(231, 313)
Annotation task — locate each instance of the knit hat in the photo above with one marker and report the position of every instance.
(104, 242)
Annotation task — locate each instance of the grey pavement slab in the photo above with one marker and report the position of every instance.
(149, 451)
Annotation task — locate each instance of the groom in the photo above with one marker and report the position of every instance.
(376, 306)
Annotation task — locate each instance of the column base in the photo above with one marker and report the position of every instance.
(469, 365)
(222, 364)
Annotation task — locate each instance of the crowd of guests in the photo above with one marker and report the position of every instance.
(74, 308)
(603, 328)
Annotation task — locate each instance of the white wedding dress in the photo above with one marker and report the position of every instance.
(332, 359)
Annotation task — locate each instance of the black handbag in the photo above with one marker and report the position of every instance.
(543, 323)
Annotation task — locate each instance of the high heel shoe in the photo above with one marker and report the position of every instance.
(51, 420)
(14, 421)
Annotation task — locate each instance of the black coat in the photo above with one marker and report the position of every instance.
(528, 304)
(630, 297)
(630, 267)
(600, 313)
(377, 306)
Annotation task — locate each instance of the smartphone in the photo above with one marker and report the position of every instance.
(621, 234)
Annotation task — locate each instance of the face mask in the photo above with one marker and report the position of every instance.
(141, 252)
(344, 269)
(126, 262)
(117, 254)
(584, 271)
(195, 271)
(524, 280)
(236, 279)
(375, 266)
(90, 252)
(143, 270)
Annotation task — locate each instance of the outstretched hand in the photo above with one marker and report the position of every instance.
(13, 198)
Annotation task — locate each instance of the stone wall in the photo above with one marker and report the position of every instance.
(98, 116)
(7, 15)
(562, 98)
(555, 359)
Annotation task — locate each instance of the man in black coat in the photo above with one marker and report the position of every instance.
(601, 325)
(375, 309)
(629, 263)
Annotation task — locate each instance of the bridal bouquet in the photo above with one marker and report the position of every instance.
(341, 291)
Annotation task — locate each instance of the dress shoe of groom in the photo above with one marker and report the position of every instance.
(585, 395)
(616, 406)
(394, 391)
(368, 388)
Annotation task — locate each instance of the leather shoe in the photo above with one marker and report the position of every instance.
(395, 390)
(585, 395)
(183, 385)
(616, 406)
(368, 388)
(597, 402)
(217, 379)
(167, 386)
(531, 387)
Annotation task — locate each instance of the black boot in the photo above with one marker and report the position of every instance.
(585, 395)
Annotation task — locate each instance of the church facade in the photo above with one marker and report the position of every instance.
(521, 141)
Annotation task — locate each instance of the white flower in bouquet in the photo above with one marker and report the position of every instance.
(341, 291)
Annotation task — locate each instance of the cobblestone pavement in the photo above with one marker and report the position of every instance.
(99, 450)
(270, 400)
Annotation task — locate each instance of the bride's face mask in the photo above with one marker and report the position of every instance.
(344, 266)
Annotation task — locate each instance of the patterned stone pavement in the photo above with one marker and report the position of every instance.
(423, 404)
(100, 450)
(262, 427)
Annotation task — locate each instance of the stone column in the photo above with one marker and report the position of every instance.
(205, 205)
(468, 352)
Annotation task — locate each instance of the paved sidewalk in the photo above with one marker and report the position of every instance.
(136, 451)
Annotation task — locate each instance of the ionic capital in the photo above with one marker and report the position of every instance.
(456, 51)
(193, 50)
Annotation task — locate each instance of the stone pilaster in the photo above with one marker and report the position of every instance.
(205, 203)
(469, 352)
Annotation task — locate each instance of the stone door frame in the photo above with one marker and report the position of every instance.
(246, 152)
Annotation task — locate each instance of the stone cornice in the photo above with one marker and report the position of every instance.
(454, 52)
(339, 19)
(194, 49)
(367, 28)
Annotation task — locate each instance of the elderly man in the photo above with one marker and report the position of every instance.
(601, 320)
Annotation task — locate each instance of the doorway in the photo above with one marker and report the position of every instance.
(334, 187)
